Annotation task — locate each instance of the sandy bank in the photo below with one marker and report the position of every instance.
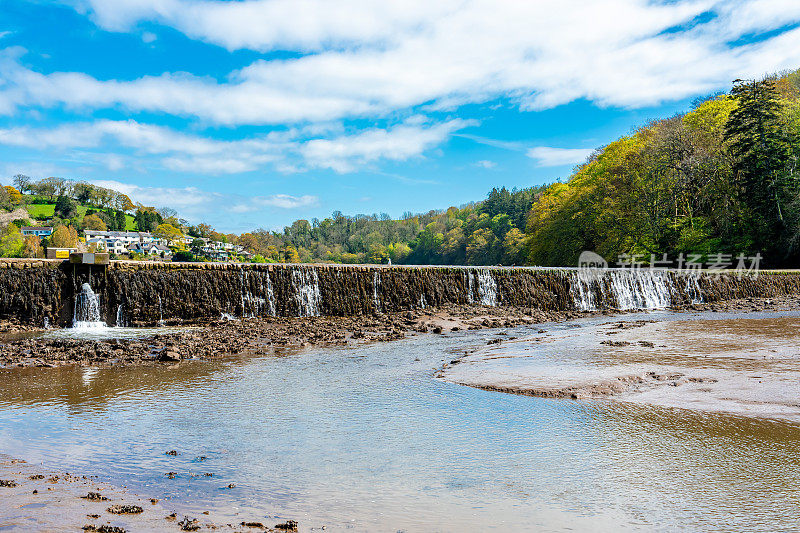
(747, 366)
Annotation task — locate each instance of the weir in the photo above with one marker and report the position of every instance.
(146, 294)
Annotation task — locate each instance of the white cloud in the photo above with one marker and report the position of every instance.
(371, 58)
(149, 37)
(183, 199)
(554, 157)
(485, 163)
(345, 153)
(283, 201)
(285, 150)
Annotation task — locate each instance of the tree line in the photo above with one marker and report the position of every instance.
(721, 178)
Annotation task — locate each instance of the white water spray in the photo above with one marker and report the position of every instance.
(376, 283)
(630, 289)
(306, 286)
(86, 314)
(487, 287)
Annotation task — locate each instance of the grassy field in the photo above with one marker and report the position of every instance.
(45, 211)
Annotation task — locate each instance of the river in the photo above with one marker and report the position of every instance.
(364, 439)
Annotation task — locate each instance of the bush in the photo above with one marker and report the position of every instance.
(183, 257)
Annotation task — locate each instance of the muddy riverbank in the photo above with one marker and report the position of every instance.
(23, 346)
(35, 498)
(742, 360)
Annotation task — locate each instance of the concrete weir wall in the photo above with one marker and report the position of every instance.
(145, 293)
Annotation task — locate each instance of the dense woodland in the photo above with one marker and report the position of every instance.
(721, 178)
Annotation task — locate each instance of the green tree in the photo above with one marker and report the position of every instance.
(761, 148)
(65, 207)
(94, 222)
(12, 244)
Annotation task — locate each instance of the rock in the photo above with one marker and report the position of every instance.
(125, 509)
(10, 483)
(105, 528)
(95, 497)
(289, 525)
(189, 524)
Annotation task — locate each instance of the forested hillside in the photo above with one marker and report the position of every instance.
(721, 178)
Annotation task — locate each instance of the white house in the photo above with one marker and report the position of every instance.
(39, 231)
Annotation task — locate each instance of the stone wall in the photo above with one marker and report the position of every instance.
(146, 293)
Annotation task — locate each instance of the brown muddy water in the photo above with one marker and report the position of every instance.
(364, 439)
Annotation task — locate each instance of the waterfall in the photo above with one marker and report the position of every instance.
(120, 317)
(270, 296)
(160, 312)
(487, 288)
(306, 286)
(470, 285)
(630, 289)
(641, 289)
(693, 290)
(582, 290)
(252, 305)
(87, 309)
(376, 283)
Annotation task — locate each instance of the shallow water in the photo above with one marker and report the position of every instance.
(364, 439)
(92, 331)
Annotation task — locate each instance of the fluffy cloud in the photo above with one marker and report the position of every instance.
(344, 154)
(546, 156)
(372, 58)
(199, 205)
(283, 201)
(291, 149)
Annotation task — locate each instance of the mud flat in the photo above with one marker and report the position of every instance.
(38, 499)
(729, 362)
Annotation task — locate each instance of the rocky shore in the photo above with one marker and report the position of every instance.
(24, 346)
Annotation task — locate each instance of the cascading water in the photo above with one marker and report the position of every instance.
(120, 317)
(693, 290)
(86, 314)
(487, 288)
(253, 306)
(582, 290)
(306, 288)
(470, 285)
(376, 283)
(641, 289)
(630, 289)
(270, 296)
(160, 312)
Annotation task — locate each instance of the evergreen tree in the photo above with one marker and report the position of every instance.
(760, 147)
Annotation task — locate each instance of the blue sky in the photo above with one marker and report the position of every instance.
(254, 113)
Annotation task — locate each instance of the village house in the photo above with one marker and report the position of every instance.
(39, 231)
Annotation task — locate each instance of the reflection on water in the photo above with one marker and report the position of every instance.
(364, 439)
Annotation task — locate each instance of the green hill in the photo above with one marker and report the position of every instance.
(43, 212)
